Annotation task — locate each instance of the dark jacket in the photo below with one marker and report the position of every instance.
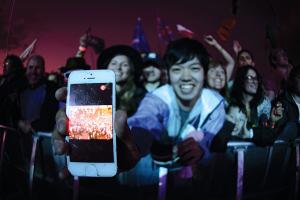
(12, 109)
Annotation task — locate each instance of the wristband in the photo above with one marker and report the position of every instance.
(82, 48)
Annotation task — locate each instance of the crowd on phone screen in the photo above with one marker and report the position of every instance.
(184, 99)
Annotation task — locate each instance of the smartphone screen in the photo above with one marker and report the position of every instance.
(91, 123)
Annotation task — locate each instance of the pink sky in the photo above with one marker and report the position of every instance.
(58, 25)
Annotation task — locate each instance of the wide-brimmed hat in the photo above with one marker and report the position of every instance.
(75, 63)
(112, 51)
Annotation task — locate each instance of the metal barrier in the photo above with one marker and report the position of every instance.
(297, 141)
(5, 129)
(237, 146)
(241, 147)
(35, 137)
(3, 139)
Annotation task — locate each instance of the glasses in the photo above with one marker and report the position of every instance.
(251, 78)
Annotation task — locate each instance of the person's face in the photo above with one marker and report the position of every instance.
(34, 71)
(251, 82)
(245, 59)
(236, 116)
(152, 74)
(121, 66)
(282, 58)
(8, 68)
(216, 78)
(187, 80)
(270, 94)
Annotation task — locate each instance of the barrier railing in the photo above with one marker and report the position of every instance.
(240, 148)
(3, 142)
(36, 137)
(237, 146)
(297, 141)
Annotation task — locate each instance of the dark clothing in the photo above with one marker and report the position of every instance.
(291, 112)
(262, 136)
(129, 99)
(14, 85)
(12, 109)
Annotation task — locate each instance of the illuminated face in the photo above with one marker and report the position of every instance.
(236, 116)
(245, 59)
(216, 78)
(121, 66)
(151, 74)
(187, 81)
(251, 82)
(34, 71)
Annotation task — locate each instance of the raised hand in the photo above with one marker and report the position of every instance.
(236, 47)
(210, 40)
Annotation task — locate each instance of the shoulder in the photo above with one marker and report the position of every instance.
(165, 93)
(211, 95)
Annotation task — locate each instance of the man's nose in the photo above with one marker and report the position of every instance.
(186, 74)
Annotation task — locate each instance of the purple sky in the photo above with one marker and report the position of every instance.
(59, 24)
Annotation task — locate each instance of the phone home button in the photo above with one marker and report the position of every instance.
(91, 170)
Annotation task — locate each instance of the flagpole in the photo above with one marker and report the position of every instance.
(159, 49)
(158, 40)
(11, 11)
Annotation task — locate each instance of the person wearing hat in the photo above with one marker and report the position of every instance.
(125, 62)
(152, 72)
(74, 63)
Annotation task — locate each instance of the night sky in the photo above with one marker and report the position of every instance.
(59, 24)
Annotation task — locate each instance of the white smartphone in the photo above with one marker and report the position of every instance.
(91, 136)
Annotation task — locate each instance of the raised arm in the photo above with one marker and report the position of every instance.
(229, 60)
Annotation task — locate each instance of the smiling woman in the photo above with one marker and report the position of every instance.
(125, 62)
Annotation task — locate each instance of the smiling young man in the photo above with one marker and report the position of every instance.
(182, 113)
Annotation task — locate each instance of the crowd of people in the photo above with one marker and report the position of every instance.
(178, 111)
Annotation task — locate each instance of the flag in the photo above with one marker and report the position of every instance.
(139, 41)
(184, 31)
(164, 32)
(26, 53)
(226, 28)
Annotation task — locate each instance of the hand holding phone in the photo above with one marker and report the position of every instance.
(127, 151)
(210, 40)
(91, 109)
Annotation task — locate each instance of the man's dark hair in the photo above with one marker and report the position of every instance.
(184, 49)
(245, 51)
(15, 61)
